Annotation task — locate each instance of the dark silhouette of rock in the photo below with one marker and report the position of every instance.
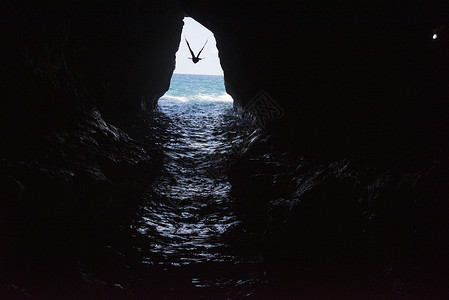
(347, 228)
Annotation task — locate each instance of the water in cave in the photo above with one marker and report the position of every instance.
(190, 216)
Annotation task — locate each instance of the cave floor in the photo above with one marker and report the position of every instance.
(197, 242)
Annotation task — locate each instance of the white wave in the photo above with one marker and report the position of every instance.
(199, 97)
(176, 98)
(214, 98)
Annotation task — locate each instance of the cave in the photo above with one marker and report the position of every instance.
(335, 175)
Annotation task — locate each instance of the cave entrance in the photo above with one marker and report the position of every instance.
(202, 134)
(197, 102)
(196, 83)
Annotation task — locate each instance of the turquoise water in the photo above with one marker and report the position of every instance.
(196, 88)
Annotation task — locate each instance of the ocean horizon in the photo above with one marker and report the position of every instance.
(196, 88)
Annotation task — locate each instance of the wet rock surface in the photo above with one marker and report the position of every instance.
(63, 193)
(346, 228)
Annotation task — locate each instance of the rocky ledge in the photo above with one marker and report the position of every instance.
(63, 192)
(350, 226)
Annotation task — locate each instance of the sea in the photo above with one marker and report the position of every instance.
(205, 89)
(190, 219)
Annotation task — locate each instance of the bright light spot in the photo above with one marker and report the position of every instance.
(435, 36)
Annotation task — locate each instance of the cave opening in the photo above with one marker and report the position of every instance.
(192, 219)
(196, 81)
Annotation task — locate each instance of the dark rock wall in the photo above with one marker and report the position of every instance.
(348, 190)
(347, 228)
(68, 65)
(68, 177)
(346, 73)
(118, 55)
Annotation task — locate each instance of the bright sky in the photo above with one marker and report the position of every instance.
(197, 35)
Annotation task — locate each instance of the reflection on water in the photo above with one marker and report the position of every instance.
(190, 217)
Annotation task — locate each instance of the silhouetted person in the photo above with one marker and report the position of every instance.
(195, 58)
